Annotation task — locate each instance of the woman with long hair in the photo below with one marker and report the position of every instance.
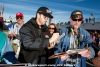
(50, 51)
(52, 28)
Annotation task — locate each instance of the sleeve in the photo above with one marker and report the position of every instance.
(93, 53)
(89, 42)
(88, 38)
(7, 53)
(30, 42)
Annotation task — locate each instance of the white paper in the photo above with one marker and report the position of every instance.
(61, 36)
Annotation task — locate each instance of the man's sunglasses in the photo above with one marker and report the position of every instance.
(19, 17)
(77, 19)
(51, 28)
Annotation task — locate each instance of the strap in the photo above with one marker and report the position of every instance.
(83, 61)
(89, 62)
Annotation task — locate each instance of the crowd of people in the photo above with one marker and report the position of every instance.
(34, 42)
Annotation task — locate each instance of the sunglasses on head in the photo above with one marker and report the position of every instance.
(19, 17)
(51, 28)
(77, 19)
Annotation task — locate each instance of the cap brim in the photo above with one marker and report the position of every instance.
(48, 15)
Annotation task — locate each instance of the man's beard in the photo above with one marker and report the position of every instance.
(76, 27)
(43, 23)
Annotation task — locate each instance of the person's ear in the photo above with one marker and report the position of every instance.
(38, 15)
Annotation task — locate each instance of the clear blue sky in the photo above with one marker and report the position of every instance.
(61, 8)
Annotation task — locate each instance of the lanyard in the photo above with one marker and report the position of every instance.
(75, 36)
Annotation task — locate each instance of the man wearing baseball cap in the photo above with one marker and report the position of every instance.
(45, 11)
(35, 38)
(76, 14)
(13, 33)
(75, 38)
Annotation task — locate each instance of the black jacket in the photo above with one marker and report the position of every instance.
(34, 40)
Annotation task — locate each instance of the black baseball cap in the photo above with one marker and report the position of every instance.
(76, 14)
(45, 11)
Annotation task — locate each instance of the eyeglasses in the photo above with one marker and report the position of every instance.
(19, 17)
(77, 19)
(52, 28)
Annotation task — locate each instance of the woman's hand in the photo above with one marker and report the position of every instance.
(51, 45)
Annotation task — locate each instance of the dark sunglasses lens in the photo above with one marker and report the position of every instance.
(77, 19)
(18, 17)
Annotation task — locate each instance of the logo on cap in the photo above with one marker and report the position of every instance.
(79, 16)
(45, 11)
(78, 12)
(48, 11)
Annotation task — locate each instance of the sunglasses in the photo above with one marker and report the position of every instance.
(19, 17)
(52, 28)
(77, 19)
